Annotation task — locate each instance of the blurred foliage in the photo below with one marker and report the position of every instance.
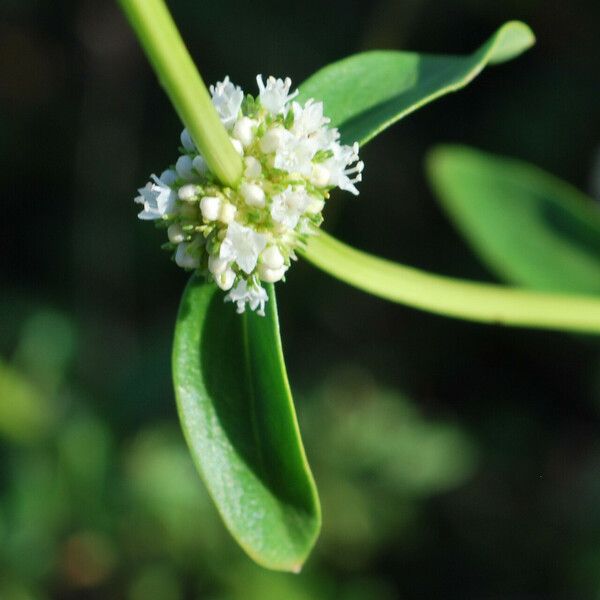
(86, 514)
(487, 483)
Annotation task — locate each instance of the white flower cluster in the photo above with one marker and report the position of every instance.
(244, 236)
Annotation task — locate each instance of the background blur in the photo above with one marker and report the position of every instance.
(454, 460)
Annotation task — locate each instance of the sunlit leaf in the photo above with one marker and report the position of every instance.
(366, 93)
(237, 414)
(482, 302)
(528, 226)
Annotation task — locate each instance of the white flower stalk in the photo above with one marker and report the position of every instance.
(240, 238)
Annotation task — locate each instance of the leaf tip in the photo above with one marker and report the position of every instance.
(511, 40)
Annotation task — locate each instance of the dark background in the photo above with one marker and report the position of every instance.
(455, 460)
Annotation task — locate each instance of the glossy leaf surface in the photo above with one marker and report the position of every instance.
(237, 414)
(366, 93)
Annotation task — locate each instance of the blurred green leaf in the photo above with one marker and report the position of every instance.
(366, 93)
(25, 413)
(237, 413)
(46, 347)
(529, 227)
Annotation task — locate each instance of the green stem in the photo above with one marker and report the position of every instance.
(175, 69)
(486, 303)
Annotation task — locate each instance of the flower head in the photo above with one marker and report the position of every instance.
(243, 237)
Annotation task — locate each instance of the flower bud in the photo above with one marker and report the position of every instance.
(217, 265)
(186, 141)
(320, 175)
(237, 145)
(184, 259)
(253, 194)
(315, 205)
(253, 168)
(272, 258)
(175, 233)
(188, 192)
(273, 139)
(244, 130)
(184, 167)
(225, 280)
(200, 165)
(270, 275)
(210, 206)
(228, 211)
(168, 177)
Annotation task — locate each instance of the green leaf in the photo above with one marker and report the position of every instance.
(26, 413)
(529, 227)
(366, 93)
(483, 302)
(237, 414)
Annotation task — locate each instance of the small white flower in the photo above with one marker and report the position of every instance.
(227, 99)
(287, 207)
(254, 295)
(275, 95)
(242, 245)
(339, 167)
(295, 156)
(308, 119)
(158, 200)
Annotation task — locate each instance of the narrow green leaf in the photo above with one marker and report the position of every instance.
(486, 303)
(237, 414)
(529, 227)
(366, 93)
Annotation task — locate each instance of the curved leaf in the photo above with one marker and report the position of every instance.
(529, 227)
(237, 414)
(483, 302)
(366, 93)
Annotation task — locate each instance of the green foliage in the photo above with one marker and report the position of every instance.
(529, 227)
(89, 510)
(366, 93)
(238, 417)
